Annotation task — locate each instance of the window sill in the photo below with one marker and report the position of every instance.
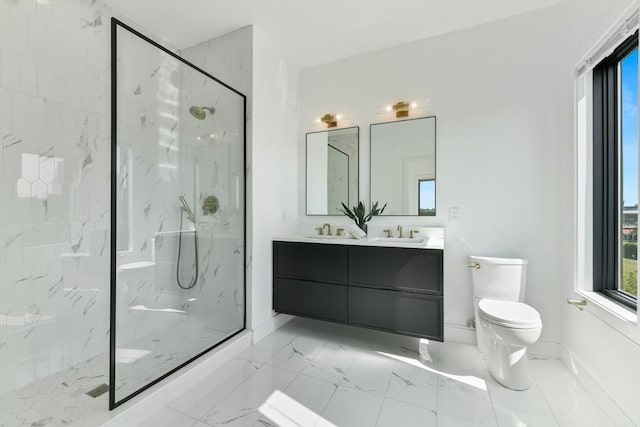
(611, 306)
(615, 315)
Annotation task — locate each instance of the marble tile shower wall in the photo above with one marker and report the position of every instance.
(215, 146)
(152, 172)
(54, 181)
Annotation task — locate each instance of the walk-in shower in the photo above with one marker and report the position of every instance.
(178, 230)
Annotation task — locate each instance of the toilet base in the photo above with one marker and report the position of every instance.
(508, 364)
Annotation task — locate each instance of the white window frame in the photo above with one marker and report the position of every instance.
(610, 312)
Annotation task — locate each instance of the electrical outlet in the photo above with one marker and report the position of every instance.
(454, 213)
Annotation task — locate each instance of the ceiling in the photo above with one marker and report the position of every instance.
(312, 32)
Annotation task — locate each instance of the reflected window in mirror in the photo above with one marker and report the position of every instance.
(332, 170)
(403, 166)
(427, 197)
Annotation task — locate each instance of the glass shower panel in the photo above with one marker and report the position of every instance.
(178, 279)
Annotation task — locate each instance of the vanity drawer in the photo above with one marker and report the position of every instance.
(311, 299)
(310, 261)
(416, 270)
(396, 311)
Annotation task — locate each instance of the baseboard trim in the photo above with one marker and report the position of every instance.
(618, 415)
(459, 333)
(466, 335)
(140, 408)
(270, 325)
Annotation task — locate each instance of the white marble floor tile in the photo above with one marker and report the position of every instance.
(295, 356)
(370, 373)
(300, 404)
(394, 413)
(211, 390)
(413, 383)
(265, 349)
(169, 418)
(550, 369)
(448, 420)
(466, 398)
(572, 406)
(351, 408)
(241, 407)
(520, 408)
(331, 362)
(457, 352)
(325, 375)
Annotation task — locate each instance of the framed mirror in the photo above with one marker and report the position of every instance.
(332, 170)
(403, 166)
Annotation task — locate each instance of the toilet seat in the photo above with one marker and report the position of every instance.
(510, 314)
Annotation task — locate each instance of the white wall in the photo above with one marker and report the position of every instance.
(275, 164)
(502, 94)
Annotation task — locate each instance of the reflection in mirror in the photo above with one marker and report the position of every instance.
(403, 166)
(332, 170)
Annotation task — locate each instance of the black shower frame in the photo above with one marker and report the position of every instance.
(114, 144)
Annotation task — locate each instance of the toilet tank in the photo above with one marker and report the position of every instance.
(498, 278)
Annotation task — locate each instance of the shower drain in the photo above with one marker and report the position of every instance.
(98, 391)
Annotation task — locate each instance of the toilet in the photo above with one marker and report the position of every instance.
(505, 325)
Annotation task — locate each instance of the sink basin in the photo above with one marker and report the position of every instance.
(415, 240)
(325, 237)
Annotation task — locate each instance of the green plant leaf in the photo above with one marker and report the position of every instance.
(359, 214)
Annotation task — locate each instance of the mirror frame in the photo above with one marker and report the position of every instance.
(435, 164)
(306, 171)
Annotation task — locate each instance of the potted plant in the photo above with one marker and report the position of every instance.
(358, 213)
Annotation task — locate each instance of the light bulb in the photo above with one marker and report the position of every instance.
(339, 116)
(318, 120)
(388, 108)
(414, 104)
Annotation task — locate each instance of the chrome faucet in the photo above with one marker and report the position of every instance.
(400, 231)
(328, 228)
(413, 233)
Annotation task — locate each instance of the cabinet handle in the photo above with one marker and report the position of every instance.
(474, 265)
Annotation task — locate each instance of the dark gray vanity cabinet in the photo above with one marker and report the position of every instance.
(310, 280)
(392, 289)
(414, 270)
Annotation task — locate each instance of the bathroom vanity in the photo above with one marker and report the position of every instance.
(379, 283)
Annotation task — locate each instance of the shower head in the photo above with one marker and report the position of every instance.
(199, 112)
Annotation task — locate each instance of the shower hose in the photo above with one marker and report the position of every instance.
(192, 283)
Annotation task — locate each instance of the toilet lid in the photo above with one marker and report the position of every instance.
(511, 314)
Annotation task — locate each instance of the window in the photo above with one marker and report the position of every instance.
(615, 174)
(427, 197)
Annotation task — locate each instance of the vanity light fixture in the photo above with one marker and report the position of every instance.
(401, 108)
(330, 120)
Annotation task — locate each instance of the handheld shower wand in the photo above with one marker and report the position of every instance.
(191, 217)
(186, 208)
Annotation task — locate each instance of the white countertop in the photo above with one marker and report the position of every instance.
(426, 243)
